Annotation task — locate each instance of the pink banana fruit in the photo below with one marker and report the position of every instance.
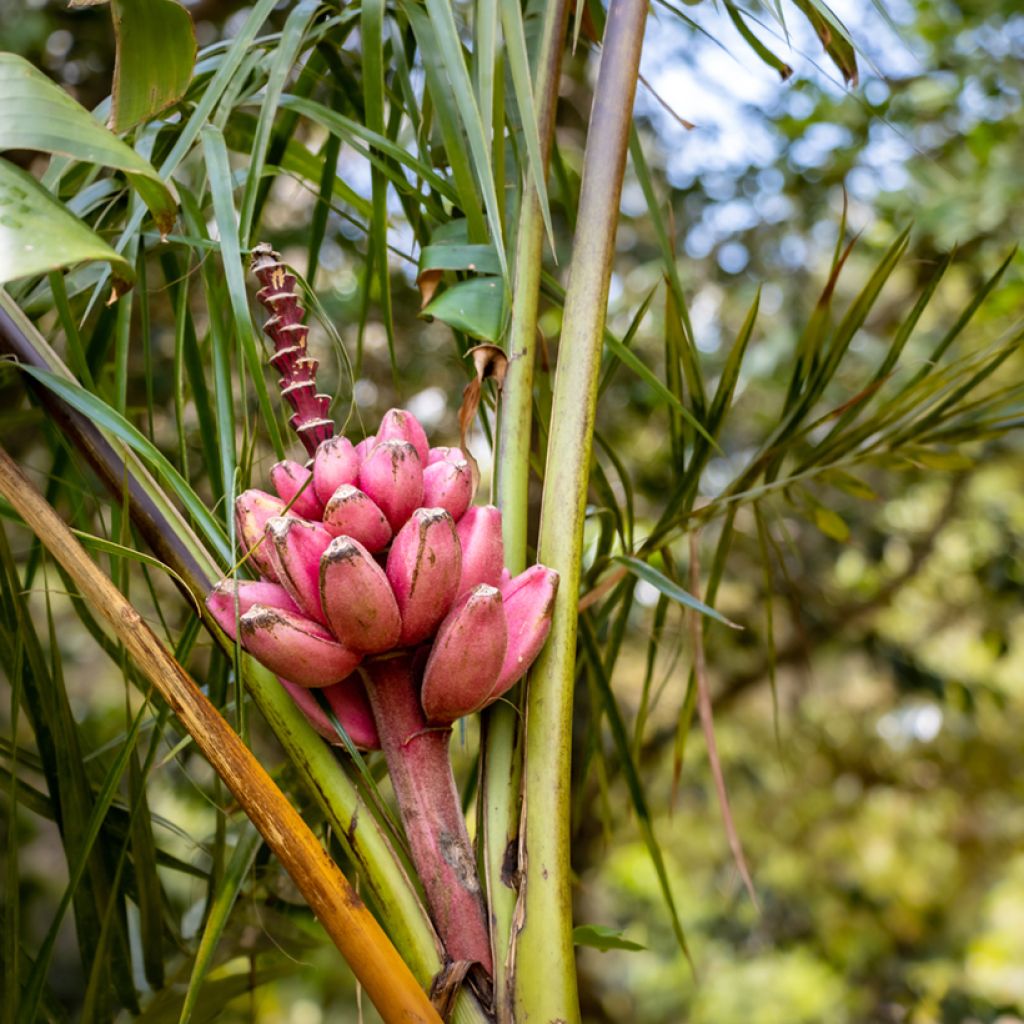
(483, 552)
(348, 701)
(357, 598)
(399, 425)
(231, 596)
(466, 656)
(365, 447)
(352, 513)
(423, 569)
(529, 601)
(444, 454)
(295, 547)
(335, 463)
(448, 484)
(392, 476)
(294, 483)
(252, 510)
(294, 646)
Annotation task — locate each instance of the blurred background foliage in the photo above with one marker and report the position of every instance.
(869, 726)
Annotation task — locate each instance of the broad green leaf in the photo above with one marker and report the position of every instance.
(156, 49)
(37, 234)
(602, 937)
(36, 113)
(476, 306)
(671, 589)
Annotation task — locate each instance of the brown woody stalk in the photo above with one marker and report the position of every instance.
(353, 929)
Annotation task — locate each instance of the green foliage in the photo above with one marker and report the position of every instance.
(837, 417)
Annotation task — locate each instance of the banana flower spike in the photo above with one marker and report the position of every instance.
(483, 552)
(348, 701)
(335, 463)
(230, 599)
(293, 482)
(466, 657)
(392, 475)
(421, 773)
(295, 547)
(352, 513)
(357, 598)
(296, 647)
(423, 569)
(529, 601)
(399, 425)
(448, 484)
(252, 510)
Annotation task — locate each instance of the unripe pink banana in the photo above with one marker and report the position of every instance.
(357, 598)
(399, 425)
(392, 476)
(352, 514)
(423, 570)
(483, 553)
(334, 464)
(529, 600)
(293, 644)
(231, 596)
(365, 447)
(466, 656)
(295, 546)
(294, 483)
(448, 484)
(444, 454)
(252, 510)
(347, 700)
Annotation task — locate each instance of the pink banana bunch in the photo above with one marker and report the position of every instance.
(381, 588)
(371, 549)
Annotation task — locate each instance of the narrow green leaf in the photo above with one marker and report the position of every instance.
(156, 49)
(38, 234)
(441, 16)
(762, 51)
(632, 777)
(221, 189)
(285, 55)
(36, 113)
(522, 84)
(246, 848)
(671, 589)
(831, 523)
(602, 937)
(108, 419)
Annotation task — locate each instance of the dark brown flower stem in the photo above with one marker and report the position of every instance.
(420, 768)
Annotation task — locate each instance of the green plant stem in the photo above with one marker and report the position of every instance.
(500, 770)
(545, 977)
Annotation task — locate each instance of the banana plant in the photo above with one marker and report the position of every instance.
(359, 589)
